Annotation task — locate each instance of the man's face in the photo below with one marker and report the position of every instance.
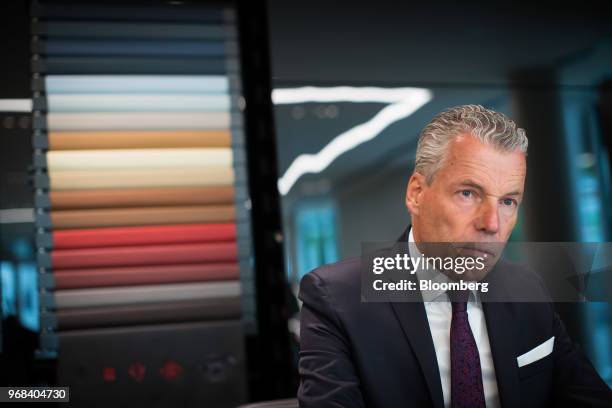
(473, 197)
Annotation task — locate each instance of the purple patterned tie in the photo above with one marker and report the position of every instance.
(466, 377)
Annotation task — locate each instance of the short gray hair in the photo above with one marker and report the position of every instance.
(486, 125)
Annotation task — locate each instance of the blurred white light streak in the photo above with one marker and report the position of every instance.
(403, 102)
(15, 105)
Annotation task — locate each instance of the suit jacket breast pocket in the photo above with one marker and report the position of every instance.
(537, 367)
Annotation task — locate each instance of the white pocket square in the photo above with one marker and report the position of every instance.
(536, 353)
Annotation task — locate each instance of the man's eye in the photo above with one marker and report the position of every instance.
(508, 201)
(466, 193)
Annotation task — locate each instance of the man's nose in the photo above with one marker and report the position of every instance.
(488, 217)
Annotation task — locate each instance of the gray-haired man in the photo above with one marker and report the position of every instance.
(455, 351)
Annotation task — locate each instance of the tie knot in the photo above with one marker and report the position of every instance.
(459, 299)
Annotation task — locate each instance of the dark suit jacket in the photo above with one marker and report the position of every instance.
(355, 354)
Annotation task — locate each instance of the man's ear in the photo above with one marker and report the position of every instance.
(414, 192)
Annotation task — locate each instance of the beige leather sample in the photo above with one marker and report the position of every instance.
(142, 216)
(75, 140)
(139, 158)
(174, 177)
(141, 197)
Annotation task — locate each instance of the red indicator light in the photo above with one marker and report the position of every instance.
(108, 374)
(170, 370)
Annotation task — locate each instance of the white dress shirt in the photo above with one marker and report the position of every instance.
(439, 315)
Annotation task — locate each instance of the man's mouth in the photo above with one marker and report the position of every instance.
(476, 251)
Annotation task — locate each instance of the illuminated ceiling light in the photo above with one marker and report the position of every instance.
(403, 102)
(15, 105)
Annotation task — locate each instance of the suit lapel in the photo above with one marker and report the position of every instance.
(413, 320)
(501, 327)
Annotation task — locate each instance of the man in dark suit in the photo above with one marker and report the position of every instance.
(451, 349)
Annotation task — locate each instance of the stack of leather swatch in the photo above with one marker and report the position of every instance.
(140, 167)
(149, 212)
(142, 208)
